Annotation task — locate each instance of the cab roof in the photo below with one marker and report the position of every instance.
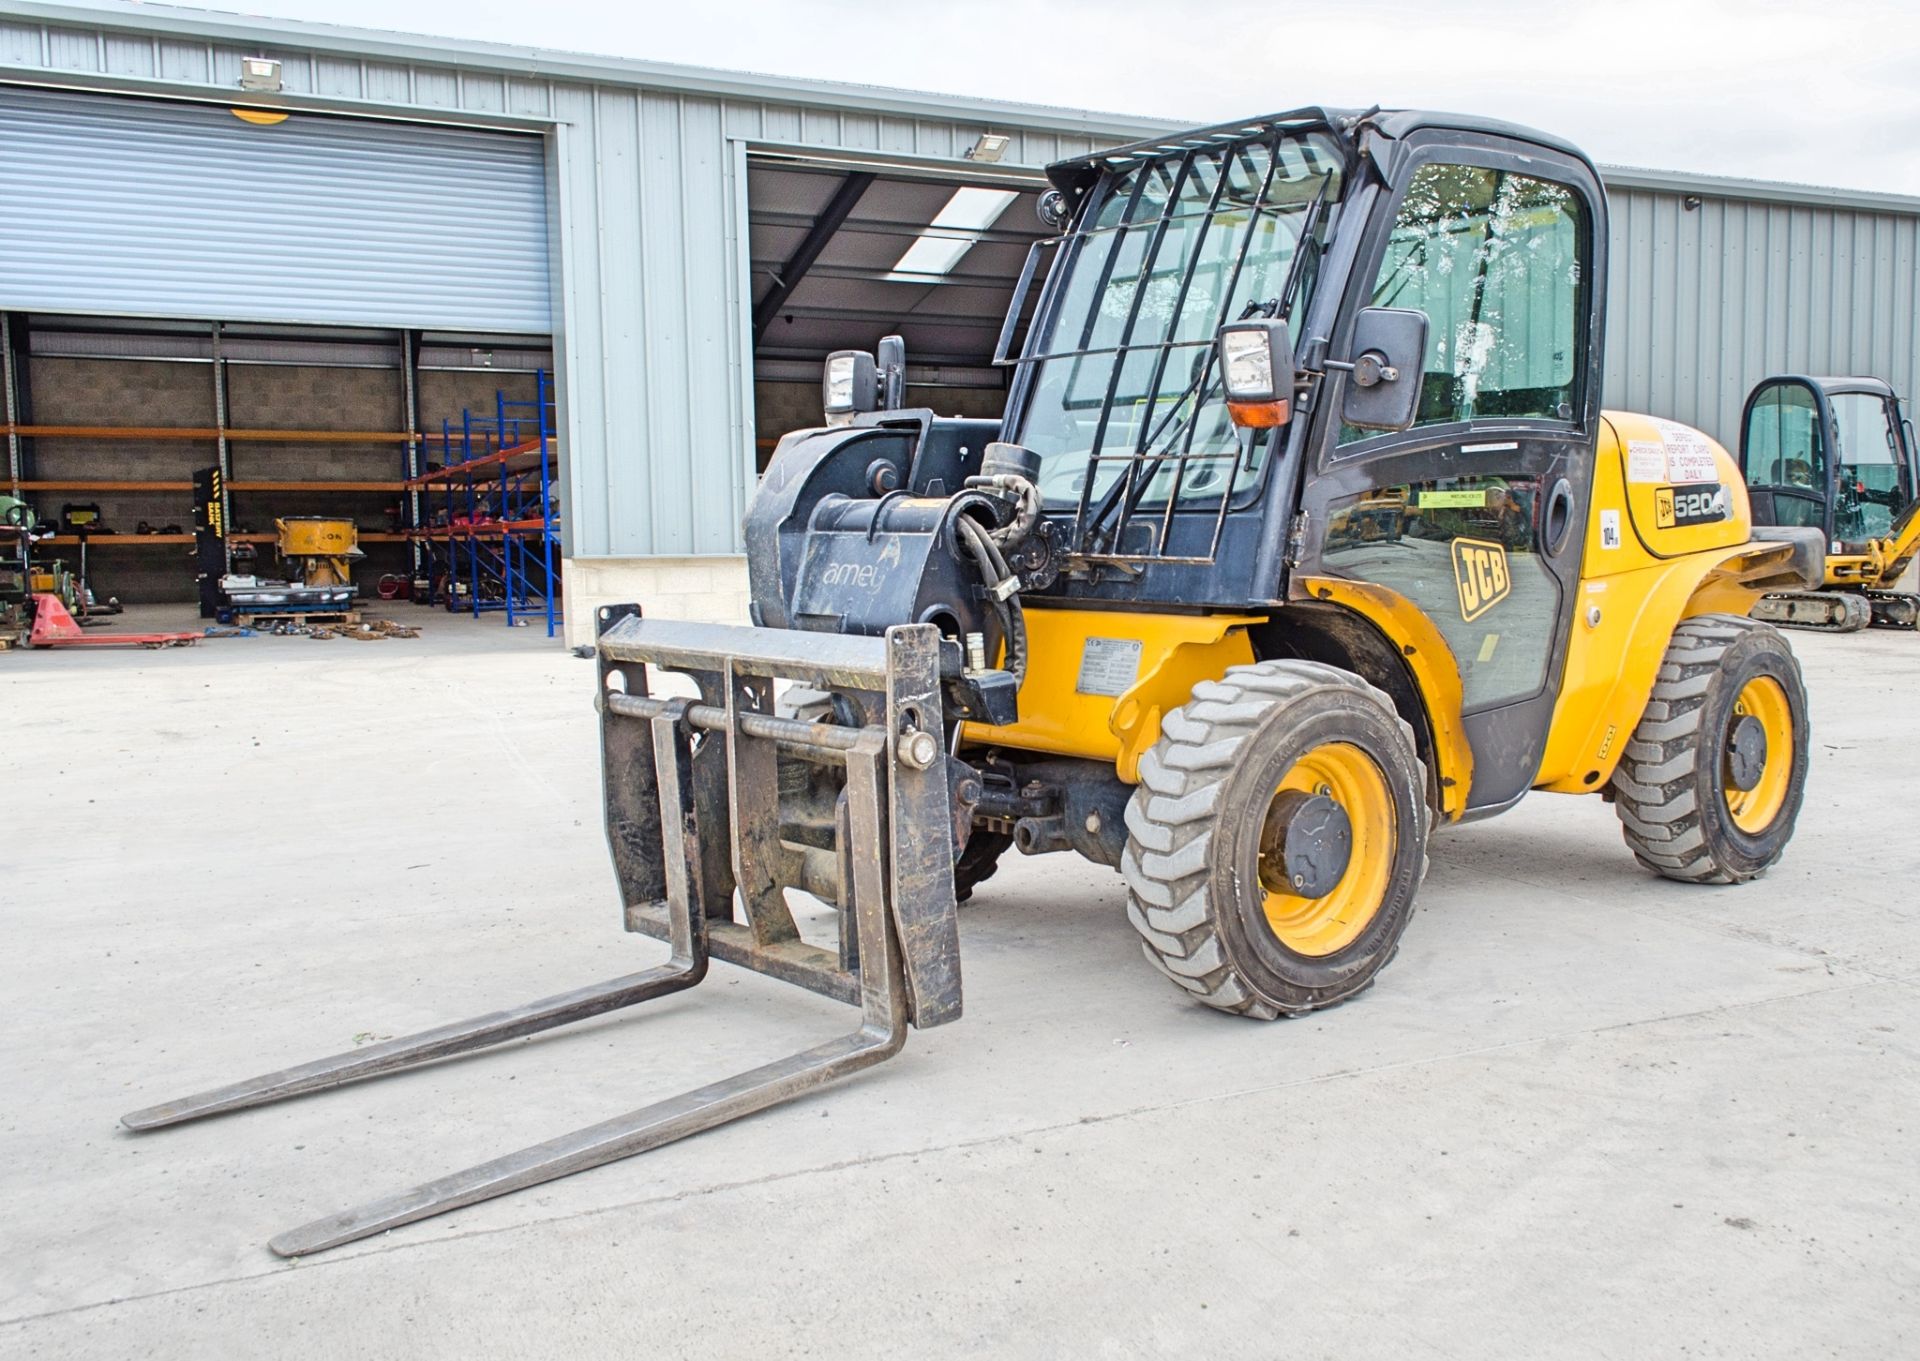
(1076, 175)
(1872, 387)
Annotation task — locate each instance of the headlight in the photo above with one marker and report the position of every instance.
(1247, 365)
(840, 383)
(849, 384)
(1257, 372)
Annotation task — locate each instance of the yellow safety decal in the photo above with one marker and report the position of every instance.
(1480, 572)
(1451, 500)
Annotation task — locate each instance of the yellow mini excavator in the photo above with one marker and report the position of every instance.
(1836, 455)
(1303, 532)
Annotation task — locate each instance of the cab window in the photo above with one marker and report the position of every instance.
(1781, 445)
(1495, 260)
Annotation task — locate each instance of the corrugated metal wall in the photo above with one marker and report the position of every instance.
(1705, 302)
(650, 276)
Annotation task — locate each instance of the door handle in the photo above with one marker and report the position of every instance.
(1558, 522)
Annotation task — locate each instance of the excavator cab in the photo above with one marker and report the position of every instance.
(1837, 455)
(1304, 531)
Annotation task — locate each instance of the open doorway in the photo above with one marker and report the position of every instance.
(843, 255)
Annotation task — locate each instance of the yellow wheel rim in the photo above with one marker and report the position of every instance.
(1753, 810)
(1350, 777)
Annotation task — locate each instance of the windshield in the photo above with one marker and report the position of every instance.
(1173, 248)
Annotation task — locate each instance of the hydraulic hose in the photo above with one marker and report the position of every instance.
(995, 572)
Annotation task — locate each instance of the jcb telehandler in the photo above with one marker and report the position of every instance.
(1836, 455)
(1303, 531)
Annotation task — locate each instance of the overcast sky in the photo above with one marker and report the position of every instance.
(1824, 92)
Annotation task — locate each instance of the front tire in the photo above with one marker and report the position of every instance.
(1277, 839)
(1710, 785)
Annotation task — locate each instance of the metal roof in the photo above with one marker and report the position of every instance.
(534, 62)
(853, 287)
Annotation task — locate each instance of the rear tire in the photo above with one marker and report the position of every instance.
(1199, 867)
(1677, 791)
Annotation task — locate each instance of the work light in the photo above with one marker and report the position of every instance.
(1257, 371)
(851, 385)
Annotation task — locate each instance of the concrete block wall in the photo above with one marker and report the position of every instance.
(124, 392)
(274, 397)
(121, 392)
(709, 589)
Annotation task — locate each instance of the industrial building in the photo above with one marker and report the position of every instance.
(336, 265)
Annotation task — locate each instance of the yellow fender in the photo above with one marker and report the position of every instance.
(1622, 626)
(1436, 674)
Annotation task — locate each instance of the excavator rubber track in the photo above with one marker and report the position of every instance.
(1894, 609)
(1817, 611)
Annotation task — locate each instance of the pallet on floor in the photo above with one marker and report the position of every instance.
(271, 617)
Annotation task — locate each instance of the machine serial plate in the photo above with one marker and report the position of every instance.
(1109, 666)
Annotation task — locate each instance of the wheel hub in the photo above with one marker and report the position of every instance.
(1305, 844)
(1746, 752)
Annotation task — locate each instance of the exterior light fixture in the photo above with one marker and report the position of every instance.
(260, 73)
(990, 148)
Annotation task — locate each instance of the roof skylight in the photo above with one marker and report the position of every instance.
(971, 209)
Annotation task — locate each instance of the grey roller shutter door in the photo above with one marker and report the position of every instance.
(140, 207)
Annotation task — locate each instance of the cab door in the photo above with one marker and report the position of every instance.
(1476, 514)
(1784, 455)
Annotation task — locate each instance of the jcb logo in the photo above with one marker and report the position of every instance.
(1677, 506)
(1480, 571)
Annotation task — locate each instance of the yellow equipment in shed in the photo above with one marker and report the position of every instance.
(318, 550)
(1303, 532)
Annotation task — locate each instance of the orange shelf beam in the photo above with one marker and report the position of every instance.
(518, 458)
(129, 540)
(248, 486)
(165, 432)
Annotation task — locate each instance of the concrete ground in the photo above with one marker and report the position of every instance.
(1585, 1113)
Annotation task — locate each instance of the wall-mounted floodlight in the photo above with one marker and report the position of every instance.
(259, 73)
(990, 148)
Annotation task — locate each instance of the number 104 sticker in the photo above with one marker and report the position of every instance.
(1609, 529)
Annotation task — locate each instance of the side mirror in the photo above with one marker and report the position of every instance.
(1257, 371)
(1388, 365)
(890, 363)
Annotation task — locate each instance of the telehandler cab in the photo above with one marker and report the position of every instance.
(1836, 455)
(1303, 531)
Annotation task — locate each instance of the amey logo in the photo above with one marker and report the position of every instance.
(1480, 571)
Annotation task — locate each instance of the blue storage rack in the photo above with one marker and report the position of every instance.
(491, 520)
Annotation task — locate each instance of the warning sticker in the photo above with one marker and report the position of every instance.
(1108, 666)
(1609, 529)
(1689, 453)
(1646, 461)
(1693, 466)
(1450, 500)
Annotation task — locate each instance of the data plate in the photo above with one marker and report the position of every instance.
(1109, 666)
